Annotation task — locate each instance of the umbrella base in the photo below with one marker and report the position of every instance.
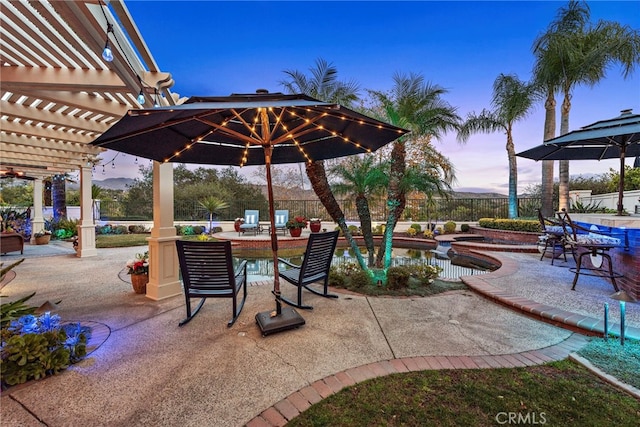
(287, 319)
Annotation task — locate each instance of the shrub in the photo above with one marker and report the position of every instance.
(360, 279)
(428, 234)
(336, 279)
(119, 229)
(354, 230)
(464, 228)
(510, 224)
(424, 273)
(37, 346)
(137, 229)
(398, 277)
(411, 231)
(416, 226)
(449, 227)
(379, 229)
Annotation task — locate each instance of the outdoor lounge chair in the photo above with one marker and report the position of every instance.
(553, 237)
(207, 272)
(281, 218)
(590, 243)
(314, 267)
(251, 222)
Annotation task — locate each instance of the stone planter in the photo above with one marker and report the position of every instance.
(43, 240)
(295, 232)
(139, 283)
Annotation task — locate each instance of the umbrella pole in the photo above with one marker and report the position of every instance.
(623, 149)
(279, 320)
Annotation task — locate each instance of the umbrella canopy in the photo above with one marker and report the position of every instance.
(245, 130)
(606, 139)
(233, 130)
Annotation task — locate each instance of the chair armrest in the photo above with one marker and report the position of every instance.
(284, 261)
(241, 269)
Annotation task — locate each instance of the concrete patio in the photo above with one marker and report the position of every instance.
(144, 370)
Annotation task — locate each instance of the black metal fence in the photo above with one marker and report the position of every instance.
(470, 209)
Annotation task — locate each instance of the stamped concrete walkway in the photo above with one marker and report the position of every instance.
(146, 371)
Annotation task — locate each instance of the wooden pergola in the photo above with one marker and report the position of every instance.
(57, 94)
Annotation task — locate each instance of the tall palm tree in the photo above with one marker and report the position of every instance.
(212, 205)
(574, 52)
(359, 178)
(323, 84)
(418, 106)
(512, 101)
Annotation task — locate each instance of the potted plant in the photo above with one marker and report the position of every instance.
(315, 224)
(237, 223)
(42, 237)
(138, 268)
(296, 224)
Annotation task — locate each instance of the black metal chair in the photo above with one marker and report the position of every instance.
(592, 244)
(207, 272)
(553, 237)
(314, 267)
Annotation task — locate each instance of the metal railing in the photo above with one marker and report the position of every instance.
(468, 209)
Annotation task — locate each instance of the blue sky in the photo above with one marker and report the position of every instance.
(219, 48)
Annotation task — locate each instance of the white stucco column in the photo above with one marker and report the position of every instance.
(37, 219)
(86, 228)
(163, 258)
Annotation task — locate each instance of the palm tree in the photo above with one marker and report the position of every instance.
(573, 52)
(418, 106)
(360, 178)
(323, 84)
(512, 101)
(212, 205)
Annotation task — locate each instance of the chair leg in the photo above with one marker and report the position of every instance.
(237, 309)
(611, 275)
(191, 315)
(298, 304)
(325, 291)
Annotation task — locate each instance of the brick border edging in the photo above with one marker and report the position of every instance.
(299, 401)
(546, 313)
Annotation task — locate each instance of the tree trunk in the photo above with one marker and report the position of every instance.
(59, 195)
(513, 176)
(318, 178)
(563, 170)
(362, 206)
(396, 201)
(547, 165)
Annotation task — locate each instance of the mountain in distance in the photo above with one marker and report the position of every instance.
(114, 183)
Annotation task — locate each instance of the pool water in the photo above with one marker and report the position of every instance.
(262, 268)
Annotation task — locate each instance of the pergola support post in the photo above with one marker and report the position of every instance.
(163, 258)
(37, 219)
(86, 227)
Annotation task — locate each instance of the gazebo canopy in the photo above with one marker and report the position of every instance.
(57, 93)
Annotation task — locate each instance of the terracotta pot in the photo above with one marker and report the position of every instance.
(236, 226)
(43, 240)
(139, 283)
(315, 226)
(295, 232)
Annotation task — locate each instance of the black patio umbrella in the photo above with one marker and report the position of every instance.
(249, 129)
(606, 139)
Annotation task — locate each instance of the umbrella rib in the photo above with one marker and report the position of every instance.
(150, 128)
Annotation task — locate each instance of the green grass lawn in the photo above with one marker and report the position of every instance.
(556, 394)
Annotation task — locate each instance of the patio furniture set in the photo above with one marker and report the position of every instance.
(208, 271)
(252, 222)
(562, 235)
